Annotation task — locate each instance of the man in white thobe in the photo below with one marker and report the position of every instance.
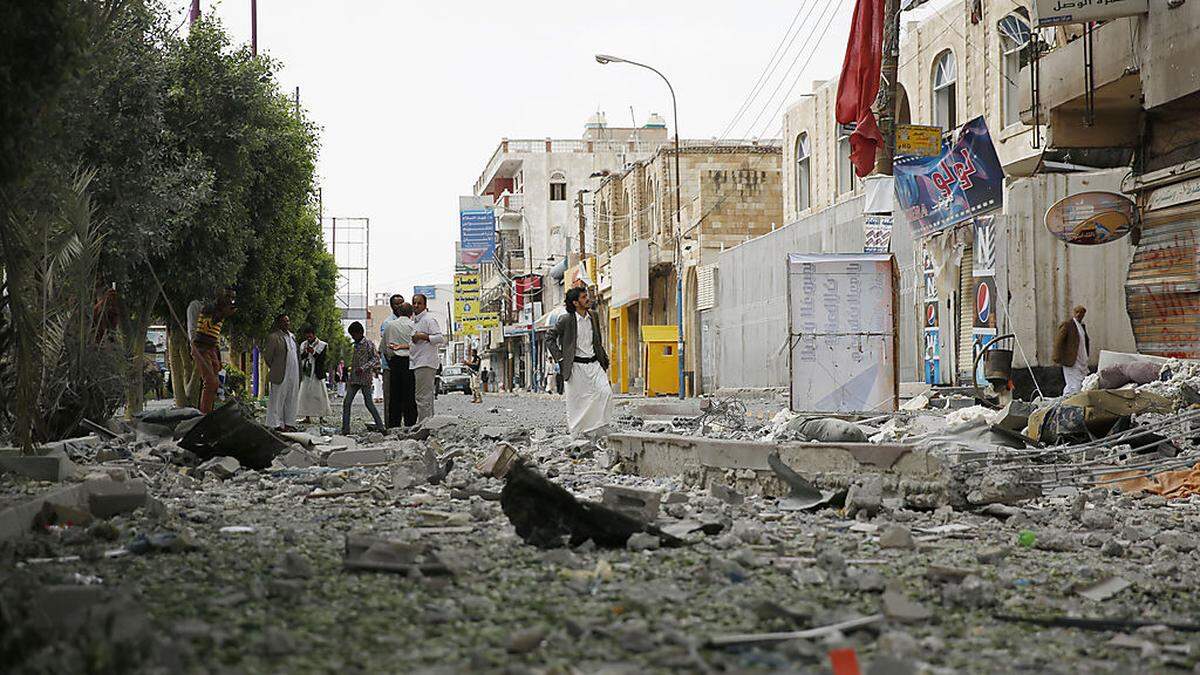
(423, 359)
(1072, 350)
(576, 344)
(283, 361)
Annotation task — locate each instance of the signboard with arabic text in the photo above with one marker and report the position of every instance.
(1056, 12)
(915, 139)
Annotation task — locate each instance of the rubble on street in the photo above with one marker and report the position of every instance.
(491, 541)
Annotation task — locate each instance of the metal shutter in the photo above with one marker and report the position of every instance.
(706, 287)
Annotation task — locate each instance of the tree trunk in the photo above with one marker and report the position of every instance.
(134, 324)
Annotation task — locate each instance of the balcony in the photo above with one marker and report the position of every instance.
(508, 155)
(508, 212)
(1118, 89)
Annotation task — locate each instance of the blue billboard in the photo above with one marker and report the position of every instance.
(963, 181)
(428, 291)
(477, 234)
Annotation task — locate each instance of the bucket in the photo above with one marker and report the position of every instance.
(997, 366)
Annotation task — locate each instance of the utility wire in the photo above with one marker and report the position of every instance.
(815, 46)
(768, 70)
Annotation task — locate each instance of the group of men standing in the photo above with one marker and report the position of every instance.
(410, 339)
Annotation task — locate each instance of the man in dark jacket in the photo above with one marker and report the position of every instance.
(1073, 350)
(576, 344)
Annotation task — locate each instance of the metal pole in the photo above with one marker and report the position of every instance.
(297, 100)
(678, 246)
(254, 27)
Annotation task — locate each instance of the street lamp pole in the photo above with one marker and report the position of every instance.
(605, 59)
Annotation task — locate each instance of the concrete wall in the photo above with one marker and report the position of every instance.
(749, 327)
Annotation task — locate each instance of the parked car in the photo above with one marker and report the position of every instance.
(454, 378)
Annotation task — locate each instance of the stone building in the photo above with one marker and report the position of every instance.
(729, 192)
(958, 61)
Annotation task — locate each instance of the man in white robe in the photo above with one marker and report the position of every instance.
(575, 343)
(283, 361)
(314, 396)
(1072, 350)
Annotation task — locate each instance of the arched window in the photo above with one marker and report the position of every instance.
(1014, 40)
(945, 91)
(846, 179)
(558, 187)
(802, 191)
(651, 201)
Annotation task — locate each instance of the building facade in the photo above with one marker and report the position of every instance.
(958, 61)
(1137, 114)
(539, 188)
(729, 192)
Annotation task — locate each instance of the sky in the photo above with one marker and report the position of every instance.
(413, 97)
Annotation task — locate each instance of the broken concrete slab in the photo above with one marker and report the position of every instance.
(498, 462)
(901, 608)
(641, 504)
(297, 458)
(897, 536)
(52, 466)
(438, 422)
(110, 498)
(357, 457)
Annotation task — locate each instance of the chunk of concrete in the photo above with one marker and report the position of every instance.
(866, 495)
(357, 457)
(726, 494)
(110, 498)
(439, 422)
(221, 467)
(640, 504)
(53, 466)
(498, 463)
(901, 608)
(897, 536)
(297, 458)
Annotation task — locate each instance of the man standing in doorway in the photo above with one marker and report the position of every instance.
(1073, 350)
(423, 355)
(283, 361)
(576, 344)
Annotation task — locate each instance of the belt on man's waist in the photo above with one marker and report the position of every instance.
(587, 359)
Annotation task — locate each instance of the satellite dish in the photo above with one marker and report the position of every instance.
(1091, 218)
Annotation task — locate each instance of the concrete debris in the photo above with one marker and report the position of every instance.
(1105, 589)
(897, 536)
(53, 466)
(357, 457)
(640, 504)
(110, 498)
(223, 468)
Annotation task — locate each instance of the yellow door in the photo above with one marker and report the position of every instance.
(662, 359)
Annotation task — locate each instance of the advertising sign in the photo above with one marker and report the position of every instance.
(481, 321)
(477, 231)
(466, 286)
(961, 182)
(985, 302)
(1055, 12)
(878, 234)
(428, 291)
(1090, 218)
(915, 139)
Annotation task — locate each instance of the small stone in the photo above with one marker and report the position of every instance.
(897, 643)
(870, 581)
(866, 496)
(1095, 519)
(1180, 541)
(726, 494)
(831, 561)
(525, 641)
(748, 531)
(110, 498)
(899, 607)
(991, 555)
(221, 467)
(676, 498)
(1056, 540)
(642, 541)
(1112, 548)
(897, 536)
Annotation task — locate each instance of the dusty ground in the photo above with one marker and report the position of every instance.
(276, 599)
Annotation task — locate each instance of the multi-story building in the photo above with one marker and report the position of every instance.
(538, 188)
(729, 192)
(1138, 113)
(958, 61)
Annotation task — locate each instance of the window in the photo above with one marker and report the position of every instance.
(845, 168)
(1014, 40)
(558, 187)
(652, 211)
(945, 95)
(802, 195)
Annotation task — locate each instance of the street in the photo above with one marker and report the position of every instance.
(251, 575)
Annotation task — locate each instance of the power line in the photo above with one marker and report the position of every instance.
(768, 70)
(808, 43)
(824, 32)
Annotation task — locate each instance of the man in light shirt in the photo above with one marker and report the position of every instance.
(576, 344)
(1072, 350)
(397, 341)
(423, 355)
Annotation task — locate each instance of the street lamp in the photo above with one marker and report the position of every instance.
(606, 59)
